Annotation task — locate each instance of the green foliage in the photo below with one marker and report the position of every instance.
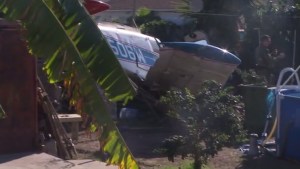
(212, 118)
(144, 15)
(183, 6)
(275, 7)
(153, 25)
(143, 12)
(185, 165)
(159, 28)
(251, 77)
(170, 146)
(64, 35)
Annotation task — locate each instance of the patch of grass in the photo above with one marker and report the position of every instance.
(185, 165)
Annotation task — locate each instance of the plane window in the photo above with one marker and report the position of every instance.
(154, 45)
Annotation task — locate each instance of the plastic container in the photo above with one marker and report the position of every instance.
(256, 107)
(288, 133)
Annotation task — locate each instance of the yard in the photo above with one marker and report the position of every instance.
(142, 142)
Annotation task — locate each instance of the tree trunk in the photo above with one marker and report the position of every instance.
(197, 161)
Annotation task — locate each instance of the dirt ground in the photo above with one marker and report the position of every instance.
(142, 142)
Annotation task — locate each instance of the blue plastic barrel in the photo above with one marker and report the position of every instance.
(288, 135)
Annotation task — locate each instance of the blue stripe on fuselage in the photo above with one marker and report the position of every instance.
(132, 53)
(204, 50)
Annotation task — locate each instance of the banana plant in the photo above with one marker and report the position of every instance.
(64, 35)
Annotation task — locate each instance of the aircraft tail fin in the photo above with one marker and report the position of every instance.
(95, 6)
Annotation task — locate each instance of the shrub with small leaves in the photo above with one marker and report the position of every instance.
(251, 77)
(213, 118)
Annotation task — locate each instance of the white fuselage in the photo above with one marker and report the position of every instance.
(175, 64)
(136, 52)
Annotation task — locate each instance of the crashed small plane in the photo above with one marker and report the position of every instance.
(157, 66)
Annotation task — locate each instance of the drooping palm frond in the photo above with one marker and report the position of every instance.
(70, 43)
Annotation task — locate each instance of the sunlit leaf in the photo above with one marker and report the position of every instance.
(63, 34)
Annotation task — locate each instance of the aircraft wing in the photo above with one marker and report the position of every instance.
(188, 64)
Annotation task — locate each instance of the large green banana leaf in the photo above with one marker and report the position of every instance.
(65, 36)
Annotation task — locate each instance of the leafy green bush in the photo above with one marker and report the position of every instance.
(251, 77)
(213, 118)
(153, 25)
(144, 15)
(159, 28)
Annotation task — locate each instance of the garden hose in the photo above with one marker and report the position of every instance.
(272, 132)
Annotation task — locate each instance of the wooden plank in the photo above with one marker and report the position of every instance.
(74, 119)
(69, 118)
